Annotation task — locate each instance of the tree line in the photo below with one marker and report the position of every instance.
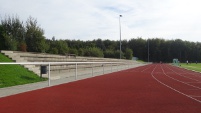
(166, 50)
(29, 36)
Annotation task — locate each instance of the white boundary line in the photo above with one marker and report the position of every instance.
(146, 68)
(172, 87)
(182, 75)
(195, 96)
(179, 80)
(183, 68)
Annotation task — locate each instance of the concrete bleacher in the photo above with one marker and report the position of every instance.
(19, 56)
(44, 57)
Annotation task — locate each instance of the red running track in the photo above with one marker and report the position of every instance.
(155, 88)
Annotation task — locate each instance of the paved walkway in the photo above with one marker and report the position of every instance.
(63, 77)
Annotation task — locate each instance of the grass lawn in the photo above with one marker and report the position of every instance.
(140, 61)
(11, 75)
(192, 66)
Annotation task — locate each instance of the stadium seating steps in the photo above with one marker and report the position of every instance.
(19, 56)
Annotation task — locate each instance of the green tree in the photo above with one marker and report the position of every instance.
(2, 40)
(129, 54)
(52, 46)
(62, 47)
(9, 43)
(73, 51)
(13, 35)
(139, 47)
(109, 53)
(99, 44)
(124, 45)
(117, 54)
(54, 50)
(93, 52)
(111, 45)
(81, 52)
(34, 37)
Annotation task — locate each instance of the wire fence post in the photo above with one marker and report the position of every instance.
(92, 68)
(49, 74)
(111, 67)
(103, 68)
(75, 71)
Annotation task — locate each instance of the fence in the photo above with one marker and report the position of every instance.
(119, 66)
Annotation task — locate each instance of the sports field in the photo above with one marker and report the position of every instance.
(154, 88)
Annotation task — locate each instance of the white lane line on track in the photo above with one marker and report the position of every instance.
(191, 89)
(193, 82)
(146, 68)
(139, 69)
(179, 80)
(194, 96)
(172, 87)
(194, 73)
(182, 75)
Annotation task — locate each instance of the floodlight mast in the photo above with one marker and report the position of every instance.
(148, 49)
(120, 35)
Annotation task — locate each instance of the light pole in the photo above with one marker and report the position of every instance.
(148, 49)
(120, 35)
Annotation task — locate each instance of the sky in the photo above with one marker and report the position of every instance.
(93, 19)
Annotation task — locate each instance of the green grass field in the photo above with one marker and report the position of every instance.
(192, 66)
(11, 75)
(140, 60)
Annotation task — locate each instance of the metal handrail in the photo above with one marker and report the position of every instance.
(53, 63)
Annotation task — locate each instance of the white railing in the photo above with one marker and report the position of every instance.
(48, 64)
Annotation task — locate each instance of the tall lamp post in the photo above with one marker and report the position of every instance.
(148, 49)
(120, 34)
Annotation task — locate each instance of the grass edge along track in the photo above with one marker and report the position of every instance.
(12, 75)
(192, 66)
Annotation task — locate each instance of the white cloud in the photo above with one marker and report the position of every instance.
(91, 19)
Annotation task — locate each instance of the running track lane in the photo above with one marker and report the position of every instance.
(146, 89)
